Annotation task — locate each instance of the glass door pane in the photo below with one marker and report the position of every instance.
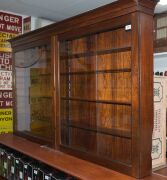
(34, 92)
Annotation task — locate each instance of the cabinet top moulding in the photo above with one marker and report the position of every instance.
(101, 14)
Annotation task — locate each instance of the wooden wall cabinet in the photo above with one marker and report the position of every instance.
(102, 84)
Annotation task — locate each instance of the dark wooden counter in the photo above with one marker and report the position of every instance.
(69, 164)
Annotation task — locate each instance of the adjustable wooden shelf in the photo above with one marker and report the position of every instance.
(101, 92)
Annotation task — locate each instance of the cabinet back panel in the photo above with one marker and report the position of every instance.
(96, 61)
(120, 60)
(99, 144)
(95, 113)
(114, 39)
(115, 87)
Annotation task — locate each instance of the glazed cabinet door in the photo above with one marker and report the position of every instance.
(105, 93)
(96, 96)
(34, 90)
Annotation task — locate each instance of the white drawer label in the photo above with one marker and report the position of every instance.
(46, 177)
(5, 165)
(128, 27)
(12, 169)
(21, 175)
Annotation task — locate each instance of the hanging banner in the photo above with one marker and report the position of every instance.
(10, 27)
(159, 131)
(6, 120)
(10, 23)
(27, 24)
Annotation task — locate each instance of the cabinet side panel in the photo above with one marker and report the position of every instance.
(135, 96)
(146, 95)
(142, 94)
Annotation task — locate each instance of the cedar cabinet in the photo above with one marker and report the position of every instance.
(84, 86)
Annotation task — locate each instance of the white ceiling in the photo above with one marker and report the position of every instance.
(55, 10)
(160, 8)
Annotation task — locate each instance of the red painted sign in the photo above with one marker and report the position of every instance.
(10, 23)
(27, 24)
(6, 61)
(10, 26)
(6, 99)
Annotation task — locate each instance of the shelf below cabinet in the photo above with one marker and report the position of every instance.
(61, 161)
(74, 166)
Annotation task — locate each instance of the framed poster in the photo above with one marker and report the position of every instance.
(159, 130)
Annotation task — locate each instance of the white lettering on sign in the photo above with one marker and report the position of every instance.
(9, 103)
(14, 28)
(7, 18)
(5, 80)
(5, 55)
(6, 95)
(2, 26)
(6, 103)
